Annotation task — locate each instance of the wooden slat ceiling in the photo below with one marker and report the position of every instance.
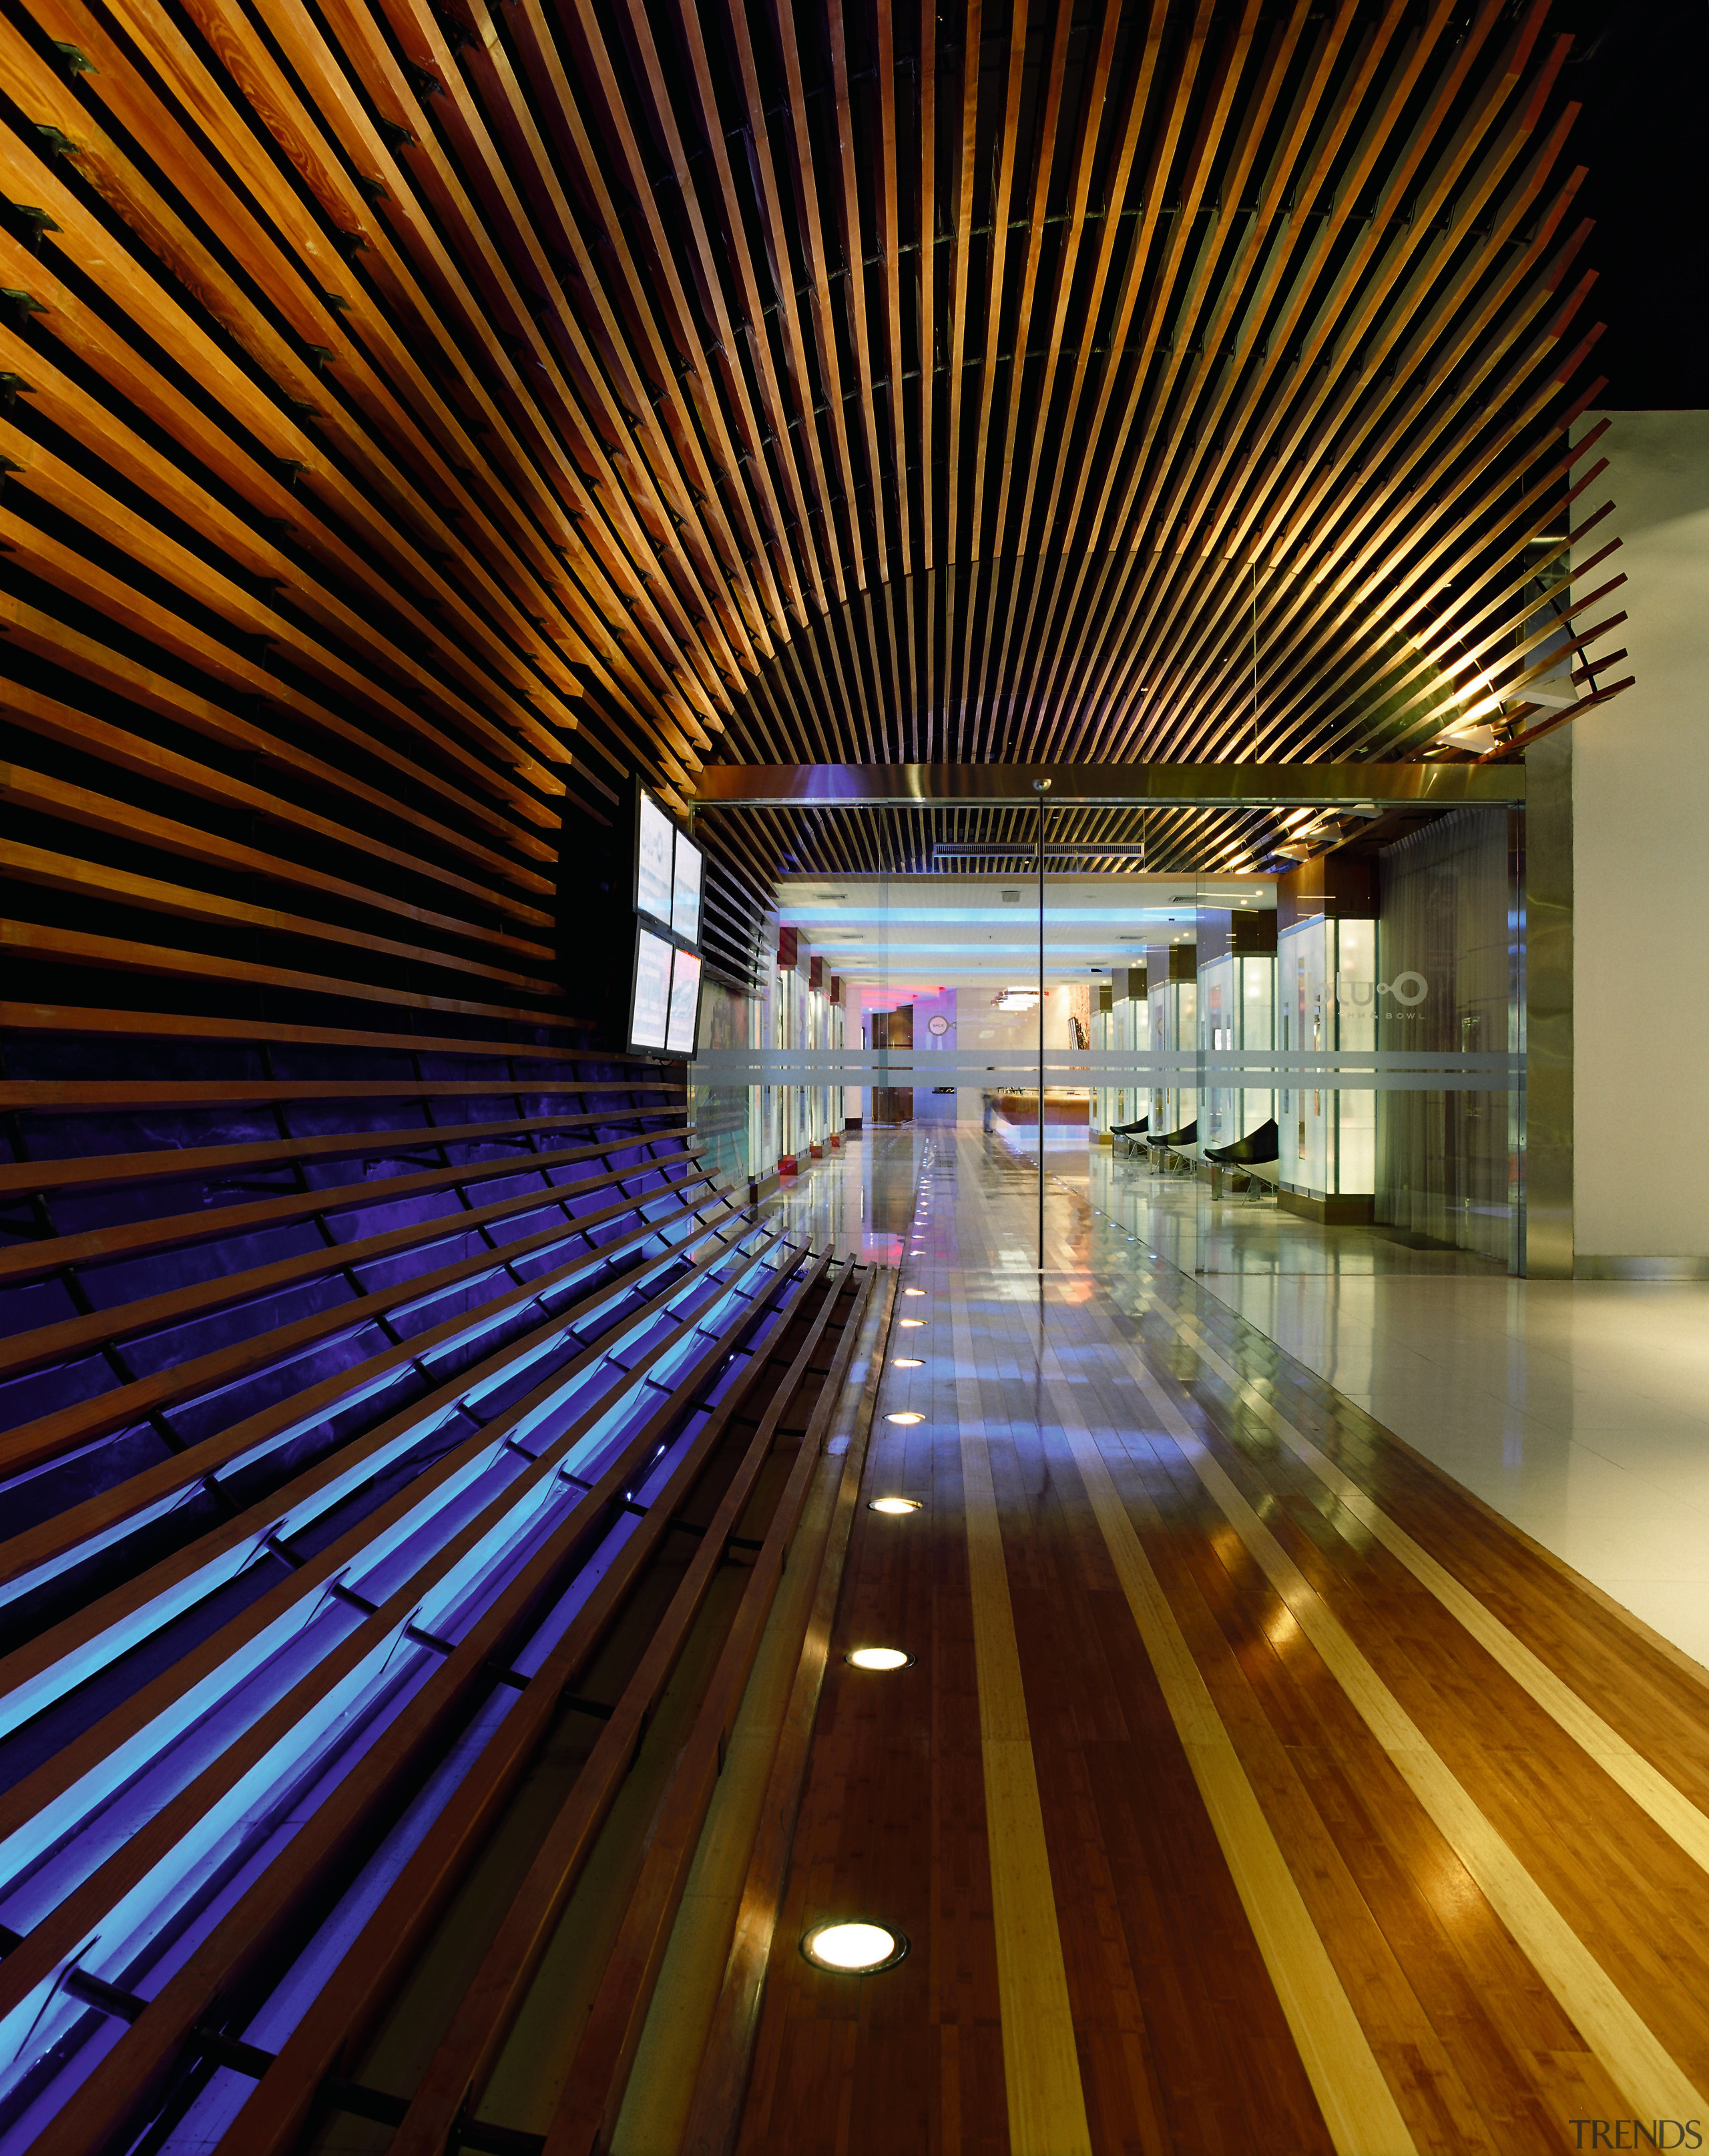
(514, 392)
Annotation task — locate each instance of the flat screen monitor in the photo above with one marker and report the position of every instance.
(685, 891)
(655, 840)
(650, 999)
(684, 1004)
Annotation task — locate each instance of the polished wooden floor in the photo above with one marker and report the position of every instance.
(1255, 1788)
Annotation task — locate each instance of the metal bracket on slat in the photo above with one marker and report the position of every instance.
(364, 2103)
(225, 2049)
(234, 2052)
(496, 2140)
(108, 1998)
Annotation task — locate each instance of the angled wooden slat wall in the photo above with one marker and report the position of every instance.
(413, 421)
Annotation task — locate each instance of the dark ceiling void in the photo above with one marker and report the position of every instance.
(1640, 66)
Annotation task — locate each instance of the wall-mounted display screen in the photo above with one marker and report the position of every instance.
(650, 1000)
(686, 890)
(684, 1004)
(655, 842)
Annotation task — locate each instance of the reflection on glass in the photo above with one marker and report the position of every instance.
(684, 1003)
(655, 839)
(650, 1006)
(685, 890)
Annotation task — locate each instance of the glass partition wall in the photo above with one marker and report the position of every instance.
(1321, 1070)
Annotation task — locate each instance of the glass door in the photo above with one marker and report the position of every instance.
(1365, 1036)
(1249, 1074)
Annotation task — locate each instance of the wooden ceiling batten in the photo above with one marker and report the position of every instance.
(557, 388)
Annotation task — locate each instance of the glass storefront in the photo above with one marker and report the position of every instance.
(1249, 1073)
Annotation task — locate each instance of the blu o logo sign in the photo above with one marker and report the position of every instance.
(1407, 989)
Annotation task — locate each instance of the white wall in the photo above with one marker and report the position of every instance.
(1640, 816)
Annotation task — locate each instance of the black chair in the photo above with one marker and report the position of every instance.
(1263, 1144)
(1173, 1142)
(1130, 1130)
(1258, 1149)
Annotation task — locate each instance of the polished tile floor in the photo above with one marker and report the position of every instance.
(1254, 1785)
(1578, 1409)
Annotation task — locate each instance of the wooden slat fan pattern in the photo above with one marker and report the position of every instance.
(450, 407)
(415, 421)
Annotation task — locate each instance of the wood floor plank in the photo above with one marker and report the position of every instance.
(1358, 2108)
(1546, 1794)
(1635, 2059)
(1318, 1801)
(1642, 1780)
(1655, 1696)
(1046, 2104)
(892, 1827)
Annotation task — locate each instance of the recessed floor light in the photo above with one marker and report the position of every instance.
(853, 1949)
(911, 1324)
(907, 1363)
(904, 1415)
(913, 1291)
(878, 1658)
(893, 1506)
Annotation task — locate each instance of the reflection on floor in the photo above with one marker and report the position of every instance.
(1175, 1216)
(1579, 1410)
(1254, 1787)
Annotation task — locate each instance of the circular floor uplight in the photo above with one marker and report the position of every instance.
(907, 1362)
(853, 1949)
(878, 1658)
(904, 1415)
(894, 1507)
(911, 1324)
(913, 1291)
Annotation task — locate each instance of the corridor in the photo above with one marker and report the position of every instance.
(1253, 1786)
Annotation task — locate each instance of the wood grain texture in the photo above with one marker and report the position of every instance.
(1332, 1767)
(1046, 2108)
(712, 2113)
(417, 424)
(476, 464)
